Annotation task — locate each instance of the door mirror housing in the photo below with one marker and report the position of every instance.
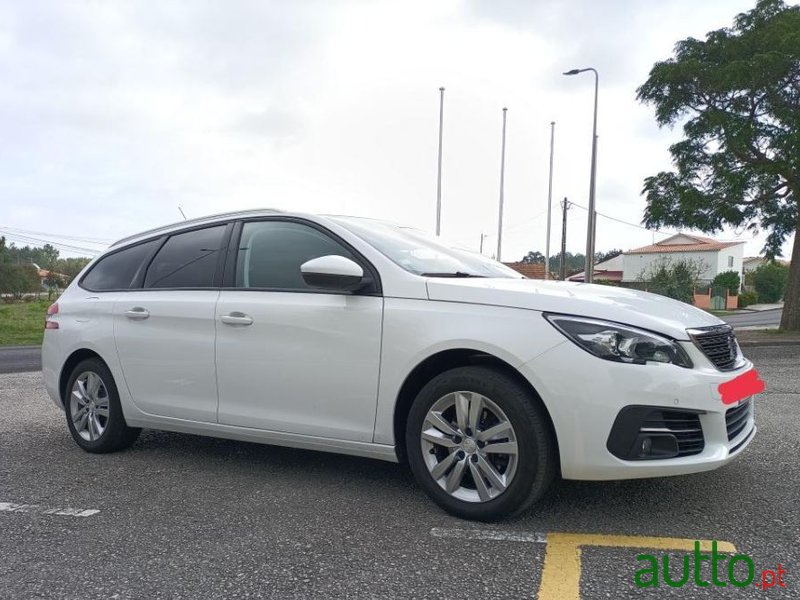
(334, 273)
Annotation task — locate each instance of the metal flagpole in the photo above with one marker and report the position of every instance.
(502, 183)
(549, 203)
(439, 175)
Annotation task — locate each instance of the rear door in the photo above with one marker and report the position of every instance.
(165, 330)
(292, 358)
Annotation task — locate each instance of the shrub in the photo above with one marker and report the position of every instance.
(770, 281)
(747, 298)
(729, 280)
(673, 279)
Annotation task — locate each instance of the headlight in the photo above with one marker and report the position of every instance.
(620, 343)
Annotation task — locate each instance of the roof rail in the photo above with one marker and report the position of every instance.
(196, 221)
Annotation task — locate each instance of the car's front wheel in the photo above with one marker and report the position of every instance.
(92, 407)
(479, 444)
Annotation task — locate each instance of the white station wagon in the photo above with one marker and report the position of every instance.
(357, 336)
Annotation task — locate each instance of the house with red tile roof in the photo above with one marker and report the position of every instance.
(713, 255)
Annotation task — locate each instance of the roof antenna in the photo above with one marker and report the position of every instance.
(183, 215)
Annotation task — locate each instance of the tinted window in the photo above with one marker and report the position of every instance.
(271, 252)
(116, 271)
(187, 260)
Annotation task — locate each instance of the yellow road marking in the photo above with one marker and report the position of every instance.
(561, 574)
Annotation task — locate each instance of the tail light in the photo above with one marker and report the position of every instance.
(51, 310)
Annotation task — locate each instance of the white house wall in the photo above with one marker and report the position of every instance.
(737, 253)
(715, 262)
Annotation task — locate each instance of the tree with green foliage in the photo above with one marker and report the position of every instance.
(13, 258)
(737, 94)
(674, 279)
(770, 281)
(533, 257)
(18, 280)
(729, 280)
(70, 267)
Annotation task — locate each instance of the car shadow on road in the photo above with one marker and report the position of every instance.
(579, 503)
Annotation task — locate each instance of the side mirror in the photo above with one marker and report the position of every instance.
(333, 273)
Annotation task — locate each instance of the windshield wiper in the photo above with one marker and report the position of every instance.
(458, 274)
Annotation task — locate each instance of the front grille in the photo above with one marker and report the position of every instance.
(719, 345)
(736, 419)
(685, 426)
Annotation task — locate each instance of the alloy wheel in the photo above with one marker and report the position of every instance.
(89, 409)
(469, 446)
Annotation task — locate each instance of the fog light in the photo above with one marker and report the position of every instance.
(656, 445)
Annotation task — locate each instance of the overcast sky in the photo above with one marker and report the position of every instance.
(112, 114)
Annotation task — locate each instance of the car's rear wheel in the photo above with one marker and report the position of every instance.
(92, 407)
(479, 444)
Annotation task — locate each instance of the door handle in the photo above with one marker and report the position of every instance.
(236, 318)
(137, 313)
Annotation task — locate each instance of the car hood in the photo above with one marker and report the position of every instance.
(641, 309)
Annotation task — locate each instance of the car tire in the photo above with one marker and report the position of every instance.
(504, 441)
(93, 411)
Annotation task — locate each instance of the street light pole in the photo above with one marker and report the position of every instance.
(589, 265)
(549, 203)
(502, 182)
(439, 173)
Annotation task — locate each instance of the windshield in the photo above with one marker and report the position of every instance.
(422, 254)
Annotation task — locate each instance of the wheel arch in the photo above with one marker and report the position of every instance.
(446, 360)
(72, 361)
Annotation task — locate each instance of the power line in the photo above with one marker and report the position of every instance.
(57, 235)
(24, 239)
(621, 221)
(521, 224)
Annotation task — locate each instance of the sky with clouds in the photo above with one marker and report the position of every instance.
(113, 114)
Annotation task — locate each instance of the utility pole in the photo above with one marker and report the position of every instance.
(439, 172)
(549, 202)
(563, 263)
(502, 182)
(589, 267)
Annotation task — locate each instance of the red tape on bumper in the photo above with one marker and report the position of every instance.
(744, 385)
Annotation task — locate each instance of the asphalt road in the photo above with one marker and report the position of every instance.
(762, 318)
(181, 516)
(16, 359)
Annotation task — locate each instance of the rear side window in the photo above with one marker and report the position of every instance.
(187, 260)
(271, 252)
(116, 271)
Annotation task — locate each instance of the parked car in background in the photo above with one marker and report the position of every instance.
(357, 336)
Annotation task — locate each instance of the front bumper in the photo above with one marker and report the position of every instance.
(584, 394)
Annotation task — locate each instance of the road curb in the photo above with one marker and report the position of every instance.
(768, 343)
(34, 347)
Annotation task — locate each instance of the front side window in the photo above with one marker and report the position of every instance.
(730, 261)
(116, 271)
(187, 260)
(271, 253)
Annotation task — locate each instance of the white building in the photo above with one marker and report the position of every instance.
(751, 263)
(715, 257)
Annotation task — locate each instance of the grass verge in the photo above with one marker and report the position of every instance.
(22, 323)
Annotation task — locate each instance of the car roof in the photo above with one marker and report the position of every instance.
(237, 214)
(227, 216)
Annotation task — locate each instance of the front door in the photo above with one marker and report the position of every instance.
(291, 358)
